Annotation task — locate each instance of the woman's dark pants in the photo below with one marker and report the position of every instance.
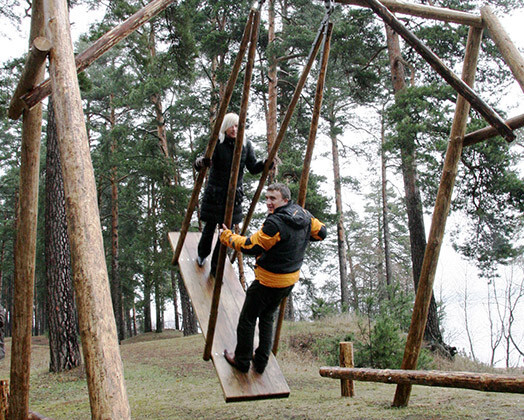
(205, 243)
(261, 302)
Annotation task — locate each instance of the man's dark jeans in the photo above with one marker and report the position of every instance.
(261, 302)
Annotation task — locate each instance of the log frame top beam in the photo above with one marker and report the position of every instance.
(424, 11)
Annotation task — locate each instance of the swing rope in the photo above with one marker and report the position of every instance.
(233, 179)
(307, 159)
(289, 113)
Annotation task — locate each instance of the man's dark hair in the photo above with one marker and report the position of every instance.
(284, 190)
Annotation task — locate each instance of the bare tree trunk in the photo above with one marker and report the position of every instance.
(147, 303)
(64, 349)
(385, 215)
(355, 300)
(341, 236)
(116, 284)
(175, 299)
(159, 303)
(189, 322)
(417, 233)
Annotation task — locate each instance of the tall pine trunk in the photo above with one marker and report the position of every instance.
(147, 304)
(341, 237)
(189, 322)
(175, 299)
(116, 284)
(61, 310)
(385, 215)
(417, 233)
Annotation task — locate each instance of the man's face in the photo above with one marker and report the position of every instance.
(274, 200)
(232, 131)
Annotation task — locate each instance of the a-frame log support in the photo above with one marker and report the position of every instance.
(462, 88)
(438, 223)
(509, 51)
(25, 249)
(104, 369)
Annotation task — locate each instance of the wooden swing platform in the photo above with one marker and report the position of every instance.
(236, 386)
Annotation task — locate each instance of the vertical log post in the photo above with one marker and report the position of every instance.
(233, 180)
(4, 399)
(509, 51)
(347, 388)
(25, 248)
(105, 378)
(438, 222)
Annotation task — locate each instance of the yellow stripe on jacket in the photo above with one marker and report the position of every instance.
(247, 244)
(269, 279)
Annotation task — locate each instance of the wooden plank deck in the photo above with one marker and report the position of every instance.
(236, 386)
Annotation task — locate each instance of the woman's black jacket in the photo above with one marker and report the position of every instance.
(215, 194)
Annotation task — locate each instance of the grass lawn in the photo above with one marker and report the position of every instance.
(166, 378)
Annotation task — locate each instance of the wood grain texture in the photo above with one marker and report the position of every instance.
(236, 386)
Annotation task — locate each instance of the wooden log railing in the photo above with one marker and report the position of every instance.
(486, 382)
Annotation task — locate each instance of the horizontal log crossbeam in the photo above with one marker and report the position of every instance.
(424, 11)
(479, 381)
(102, 45)
(35, 60)
(489, 132)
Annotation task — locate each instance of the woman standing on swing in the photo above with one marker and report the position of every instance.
(215, 194)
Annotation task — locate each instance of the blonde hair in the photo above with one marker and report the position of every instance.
(229, 121)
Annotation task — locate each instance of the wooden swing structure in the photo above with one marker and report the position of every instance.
(271, 384)
(50, 38)
(408, 376)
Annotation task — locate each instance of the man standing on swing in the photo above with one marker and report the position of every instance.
(279, 246)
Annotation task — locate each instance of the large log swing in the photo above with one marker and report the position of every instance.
(100, 346)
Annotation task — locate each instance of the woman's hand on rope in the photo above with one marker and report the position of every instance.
(202, 162)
